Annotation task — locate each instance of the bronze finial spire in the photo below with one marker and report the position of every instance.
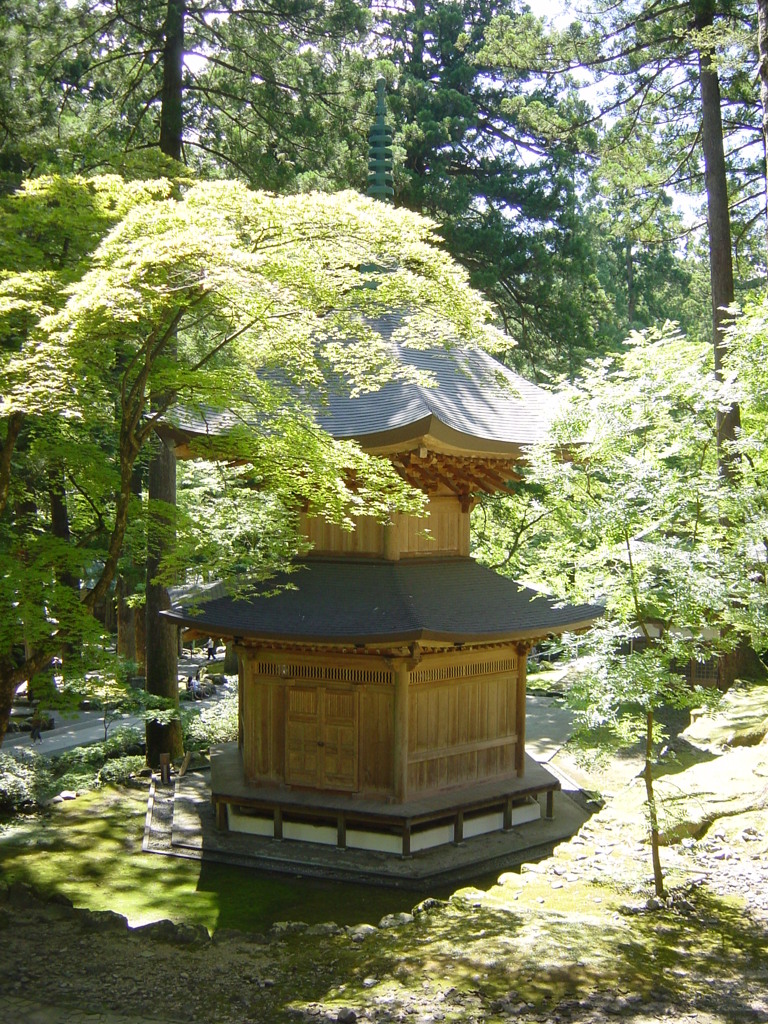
(379, 151)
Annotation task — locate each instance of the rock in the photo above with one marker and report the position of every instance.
(654, 903)
(222, 935)
(346, 1015)
(360, 932)
(325, 928)
(67, 794)
(22, 895)
(617, 1007)
(288, 927)
(187, 934)
(161, 931)
(102, 921)
(428, 905)
(60, 899)
(469, 894)
(509, 878)
(395, 920)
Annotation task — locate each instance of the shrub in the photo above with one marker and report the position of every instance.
(22, 782)
(217, 724)
(27, 781)
(121, 743)
(120, 769)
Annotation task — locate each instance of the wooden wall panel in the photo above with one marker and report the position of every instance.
(320, 720)
(340, 730)
(366, 539)
(263, 724)
(376, 739)
(462, 726)
(444, 531)
(302, 733)
(246, 727)
(461, 719)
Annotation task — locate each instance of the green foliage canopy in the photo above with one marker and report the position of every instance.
(199, 292)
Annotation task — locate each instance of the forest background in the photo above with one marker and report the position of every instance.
(597, 181)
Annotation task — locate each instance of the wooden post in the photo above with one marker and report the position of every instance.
(278, 823)
(507, 814)
(550, 811)
(341, 831)
(458, 829)
(392, 539)
(522, 674)
(245, 673)
(400, 752)
(406, 839)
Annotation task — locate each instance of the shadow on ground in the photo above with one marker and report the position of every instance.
(483, 963)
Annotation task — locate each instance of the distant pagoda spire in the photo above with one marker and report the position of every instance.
(380, 151)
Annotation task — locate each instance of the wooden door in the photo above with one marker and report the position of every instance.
(321, 749)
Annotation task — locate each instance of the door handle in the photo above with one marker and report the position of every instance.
(321, 743)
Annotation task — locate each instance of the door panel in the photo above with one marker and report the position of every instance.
(301, 737)
(321, 738)
(340, 735)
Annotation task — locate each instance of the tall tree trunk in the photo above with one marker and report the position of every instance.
(720, 258)
(139, 624)
(650, 795)
(72, 648)
(7, 693)
(13, 429)
(126, 621)
(762, 49)
(631, 298)
(172, 95)
(130, 643)
(161, 640)
(162, 672)
(60, 522)
(719, 222)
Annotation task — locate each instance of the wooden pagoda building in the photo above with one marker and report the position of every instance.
(382, 697)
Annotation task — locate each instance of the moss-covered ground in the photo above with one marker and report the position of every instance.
(571, 938)
(89, 850)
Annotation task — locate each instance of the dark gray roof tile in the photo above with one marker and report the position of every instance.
(357, 601)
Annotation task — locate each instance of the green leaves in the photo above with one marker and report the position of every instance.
(634, 518)
(235, 305)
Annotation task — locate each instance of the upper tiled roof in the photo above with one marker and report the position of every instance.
(475, 404)
(476, 401)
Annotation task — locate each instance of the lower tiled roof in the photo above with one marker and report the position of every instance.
(357, 601)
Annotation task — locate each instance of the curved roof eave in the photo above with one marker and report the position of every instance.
(350, 601)
(358, 639)
(438, 436)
